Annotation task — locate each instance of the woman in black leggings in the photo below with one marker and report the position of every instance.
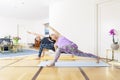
(45, 43)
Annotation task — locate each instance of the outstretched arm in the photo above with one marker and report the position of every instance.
(56, 32)
(36, 34)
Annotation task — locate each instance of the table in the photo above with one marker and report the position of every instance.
(16, 48)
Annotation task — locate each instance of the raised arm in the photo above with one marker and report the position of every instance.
(56, 32)
(36, 34)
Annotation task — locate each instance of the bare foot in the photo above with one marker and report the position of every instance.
(51, 64)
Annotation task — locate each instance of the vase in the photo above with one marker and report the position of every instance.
(114, 46)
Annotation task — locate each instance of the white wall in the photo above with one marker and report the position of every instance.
(8, 26)
(75, 20)
(109, 18)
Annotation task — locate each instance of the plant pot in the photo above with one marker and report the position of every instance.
(15, 41)
(114, 46)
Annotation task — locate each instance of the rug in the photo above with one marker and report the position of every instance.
(76, 64)
(24, 52)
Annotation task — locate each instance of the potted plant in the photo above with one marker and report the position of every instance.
(115, 44)
(16, 39)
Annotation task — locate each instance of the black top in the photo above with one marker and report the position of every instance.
(47, 40)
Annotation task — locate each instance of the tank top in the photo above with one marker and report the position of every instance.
(62, 41)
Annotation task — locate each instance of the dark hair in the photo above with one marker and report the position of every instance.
(51, 39)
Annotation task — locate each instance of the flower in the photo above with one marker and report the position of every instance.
(113, 32)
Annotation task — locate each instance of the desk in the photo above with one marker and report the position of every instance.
(113, 51)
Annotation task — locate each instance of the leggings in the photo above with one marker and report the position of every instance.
(72, 49)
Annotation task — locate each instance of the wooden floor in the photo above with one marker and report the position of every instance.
(24, 68)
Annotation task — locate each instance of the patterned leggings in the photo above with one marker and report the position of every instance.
(72, 49)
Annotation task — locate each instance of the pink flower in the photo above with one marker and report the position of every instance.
(112, 32)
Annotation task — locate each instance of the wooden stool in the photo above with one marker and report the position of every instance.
(113, 51)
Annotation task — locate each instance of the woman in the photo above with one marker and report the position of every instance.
(64, 45)
(45, 43)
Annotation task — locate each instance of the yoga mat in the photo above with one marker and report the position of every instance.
(76, 64)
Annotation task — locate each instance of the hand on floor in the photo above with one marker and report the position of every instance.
(51, 64)
(38, 58)
(42, 55)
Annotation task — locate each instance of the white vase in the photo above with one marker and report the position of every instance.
(114, 46)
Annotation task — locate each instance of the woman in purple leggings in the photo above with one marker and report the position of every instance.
(64, 45)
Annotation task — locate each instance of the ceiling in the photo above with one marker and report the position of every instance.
(25, 9)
